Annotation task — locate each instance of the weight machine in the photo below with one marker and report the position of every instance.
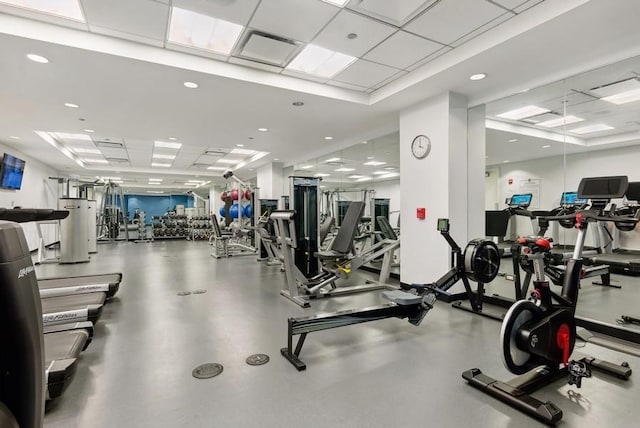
(111, 218)
(413, 301)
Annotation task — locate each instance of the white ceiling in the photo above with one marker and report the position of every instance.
(128, 82)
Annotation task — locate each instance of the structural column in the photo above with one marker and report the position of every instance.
(270, 181)
(448, 183)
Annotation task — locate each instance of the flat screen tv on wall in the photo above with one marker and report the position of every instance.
(11, 172)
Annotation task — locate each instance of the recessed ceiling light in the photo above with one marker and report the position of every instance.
(229, 161)
(513, 140)
(165, 145)
(172, 138)
(622, 92)
(306, 167)
(321, 174)
(13, 137)
(356, 176)
(369, 157)
(333, 160)
(320, 61)
(546, 146)
(505, 161)
(389, 168)
(243, 152)
(478, 76)
(591, 128)
(328, 138)
(276, 159)
(71, 105)
(155, 191)
(83, 150)
(217, 168)
(364, 179)
(523, 112)
(364, 142)
(161, 156)
(524, 90)
(103, 161)
(263, 129)
(37, 58)
(190, 85)
(155, 179)
(374, 163)
(240, 145)
(623, 97)
(202, 31)
(154, 183)
(345, 169)
(158, 164)
(90, 131)
(380, 172)
(565, 120)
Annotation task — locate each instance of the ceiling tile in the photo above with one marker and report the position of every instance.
(237, 12)
(394, 12)
(527, 5)
(430, 58)
(347, 86)
(254, 64)
(370, 33)
(402, 49)
(449, 20)
(128, 36)
(365, 73)
(510, 4)
(304, 76)
(294, 19)
(486, 27)
(140, 18)
(390, 79)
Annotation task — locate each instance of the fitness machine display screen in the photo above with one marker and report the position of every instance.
(443, 224)
(11, 171)
(571, 198)
(523, 200)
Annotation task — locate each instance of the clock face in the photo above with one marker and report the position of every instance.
(421, 146)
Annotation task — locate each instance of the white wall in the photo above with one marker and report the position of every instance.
(37, 191)
(554, 180)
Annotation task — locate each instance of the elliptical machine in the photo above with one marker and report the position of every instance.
(538, 335)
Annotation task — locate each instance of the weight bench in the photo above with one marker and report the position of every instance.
(227, 243)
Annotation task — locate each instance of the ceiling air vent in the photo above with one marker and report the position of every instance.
(201, 165)
(118, 160)
(215, 152)
(110, 144)
(267, 48)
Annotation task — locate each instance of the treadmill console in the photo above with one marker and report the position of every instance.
(443, 225)
(520, 201)
(571, 199)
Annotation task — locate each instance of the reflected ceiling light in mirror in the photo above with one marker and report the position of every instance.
(513, 140)
(505, 161)
(217, 168)
(333, 160)
(37, 58)
(390, 175)
(160, 165)
(356, 176)
(155, 179)
(546, 146)
(374, 163)
(85, 150)
(339, 3)
(306, 167)
(478, 76)
(389, 168)
(380, 172)
(161, 156)
(166, 145)
(155, 191)
(344, 169)
(90, 131)
(320, 61)
(328, 138)
(229, 161)
(172, 138)
(566, 120)
(200, 31)
(321, 174)
(13, 137)
(71, 105)
(623, 92)
(364, 179)
(523, 112)
(69, 9)
(190, 85)
(589, 129)
(263, 129)
(100, 161)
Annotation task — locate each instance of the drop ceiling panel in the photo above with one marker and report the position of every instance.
(402, 49)
(486, 27)
(254, 64)
(394, 12)
(143, 18)
(347, 86)
(272, 16)
(449, 20)
(510, 4)
(365, 73)
(370, 33)
(527, 5)
(430, 58)
(238, 11)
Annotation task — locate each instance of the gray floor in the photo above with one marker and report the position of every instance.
(137, 372)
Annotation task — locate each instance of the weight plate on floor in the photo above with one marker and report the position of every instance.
(257, 359)
(207, 370)
(199, 291)
(184, 293)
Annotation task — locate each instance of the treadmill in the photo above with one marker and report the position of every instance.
(622, 260)
(497, 221)
(67, 285)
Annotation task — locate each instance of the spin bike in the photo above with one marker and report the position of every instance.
(538, 335)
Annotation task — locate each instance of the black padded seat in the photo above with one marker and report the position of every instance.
(82, 283)
(217, 231)
(61, 352)
(325, 228)
(330, 255)
(342, 245)
(58, 309)
(385, 228)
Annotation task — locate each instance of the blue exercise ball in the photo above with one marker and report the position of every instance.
(247, 210)
(222, 212)
(234, 211)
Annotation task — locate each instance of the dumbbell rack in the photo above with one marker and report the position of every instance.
(169, 227)
(200, 228)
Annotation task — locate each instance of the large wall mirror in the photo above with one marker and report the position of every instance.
(544, 140)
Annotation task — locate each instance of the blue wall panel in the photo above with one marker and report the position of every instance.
(156, 205)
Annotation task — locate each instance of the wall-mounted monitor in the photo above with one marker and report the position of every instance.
(11, 172)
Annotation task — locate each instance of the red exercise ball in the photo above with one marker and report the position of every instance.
(223, 196)
(247, 194)
(234, 194)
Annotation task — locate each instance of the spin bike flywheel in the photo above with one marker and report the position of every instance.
(515, 359)
(481, 260)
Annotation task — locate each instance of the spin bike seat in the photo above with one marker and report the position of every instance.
(537, 244)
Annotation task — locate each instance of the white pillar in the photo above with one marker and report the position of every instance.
(270, 181)
(441, 183)
(476, 150)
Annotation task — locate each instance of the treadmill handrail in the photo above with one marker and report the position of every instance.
(593, 216)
